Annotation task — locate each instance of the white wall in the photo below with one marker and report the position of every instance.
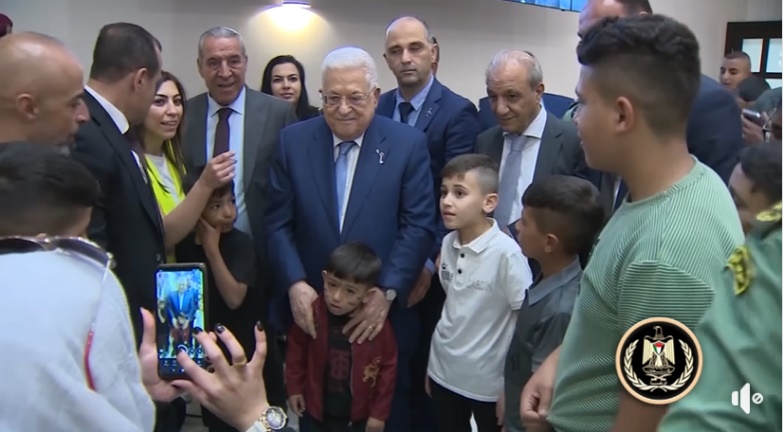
(469, 31)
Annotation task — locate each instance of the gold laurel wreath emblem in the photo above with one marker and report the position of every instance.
(641, 385)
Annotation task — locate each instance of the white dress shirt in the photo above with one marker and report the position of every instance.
(532, 139)
(119, 120)
(353, 158)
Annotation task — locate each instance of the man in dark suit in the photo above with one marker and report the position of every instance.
(352, 176)
(714, 125)
(43, 83)
(528, 142)
(451, 124)
(126, 220)
(232, 117)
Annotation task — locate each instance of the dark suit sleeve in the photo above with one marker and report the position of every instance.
(281, 248)
(417, 224)
(574, 145)
(715, 132)
(92, 154)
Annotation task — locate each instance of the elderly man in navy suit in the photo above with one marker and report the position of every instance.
(352, 176)
(451, 124)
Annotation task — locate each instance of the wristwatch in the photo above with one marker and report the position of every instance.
(273, 419)
(390, 294)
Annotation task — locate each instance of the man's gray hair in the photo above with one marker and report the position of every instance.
(523, 58)
(427, 30)
(351, 58)
(220, 32)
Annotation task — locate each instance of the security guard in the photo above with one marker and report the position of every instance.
(741, 343)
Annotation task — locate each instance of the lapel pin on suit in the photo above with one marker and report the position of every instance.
(429, 112)
(380, 156)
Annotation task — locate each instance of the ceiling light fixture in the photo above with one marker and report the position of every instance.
(300, 4)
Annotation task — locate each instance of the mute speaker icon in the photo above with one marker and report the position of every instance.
(742, 398)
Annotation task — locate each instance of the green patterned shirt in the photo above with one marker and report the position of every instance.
(741, 343)
(658, 257)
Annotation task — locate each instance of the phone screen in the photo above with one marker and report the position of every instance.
(180, 293)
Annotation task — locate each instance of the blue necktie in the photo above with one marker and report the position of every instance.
(341, 176)
(509, 181)
(622, 191)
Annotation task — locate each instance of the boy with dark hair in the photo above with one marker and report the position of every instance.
(561, 217)
(43, 190)
(485, 277)
(755, 183)
(229, 255)
(662, 252)
(336, 385)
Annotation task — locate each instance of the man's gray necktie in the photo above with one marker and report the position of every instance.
(509, 181)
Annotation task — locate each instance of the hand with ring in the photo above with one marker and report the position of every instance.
(237, 393)
(367, 321)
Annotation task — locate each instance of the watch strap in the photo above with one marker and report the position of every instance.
(258, 426)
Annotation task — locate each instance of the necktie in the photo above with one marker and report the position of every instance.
(405, 111)
(622, 191)
(222, 132)
(341, 176)
(509, 181)
(181, 296)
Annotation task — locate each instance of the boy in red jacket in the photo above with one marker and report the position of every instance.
(336, 386)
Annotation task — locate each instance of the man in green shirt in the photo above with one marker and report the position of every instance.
(664, 249)
(741, 335)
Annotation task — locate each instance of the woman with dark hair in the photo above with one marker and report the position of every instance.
(284, 77)
(161, 140)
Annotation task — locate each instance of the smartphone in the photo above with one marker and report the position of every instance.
(181, 293)
(753, 116)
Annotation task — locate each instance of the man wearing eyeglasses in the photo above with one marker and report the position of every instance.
(353, 176)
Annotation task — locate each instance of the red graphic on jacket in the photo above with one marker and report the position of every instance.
(373, 369)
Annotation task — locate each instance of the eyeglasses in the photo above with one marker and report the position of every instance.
(354, 100)
(767, 129)
(70, 245)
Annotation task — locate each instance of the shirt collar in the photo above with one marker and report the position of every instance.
(418, 100)
(238, 106)
(535, 129)
(116, 115)
(541, 288)
(358, 141)
(481, 242)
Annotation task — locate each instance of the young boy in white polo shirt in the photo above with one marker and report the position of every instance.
(485, 277)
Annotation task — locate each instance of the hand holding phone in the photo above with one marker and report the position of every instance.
(181, 296)
(754, 116)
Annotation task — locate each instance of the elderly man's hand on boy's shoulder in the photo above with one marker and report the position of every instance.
(367, 321)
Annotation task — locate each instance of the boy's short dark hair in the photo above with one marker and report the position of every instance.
(570, 208)
(651, 59)
(761, 164)
(192, 177)
(355, 262)
(486, 170)
(734, 55)
(42, 190)
(123, 48)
